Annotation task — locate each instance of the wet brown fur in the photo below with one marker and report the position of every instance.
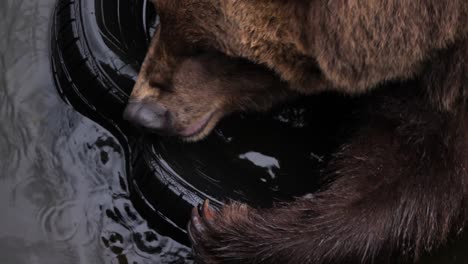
(398, 187)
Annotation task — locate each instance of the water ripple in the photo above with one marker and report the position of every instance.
(63, 190)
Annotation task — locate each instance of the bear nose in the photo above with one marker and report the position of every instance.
(148, 115)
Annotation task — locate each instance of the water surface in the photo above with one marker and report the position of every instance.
(63, 193)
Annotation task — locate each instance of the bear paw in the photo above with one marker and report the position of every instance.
(217, 235)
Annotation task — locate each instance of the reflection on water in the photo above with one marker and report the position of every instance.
(63, 191)
(263, 161)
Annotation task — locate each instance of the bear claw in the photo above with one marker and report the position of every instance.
(194, 226)
(206, 212)
(199, 221)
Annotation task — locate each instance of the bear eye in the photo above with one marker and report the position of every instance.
(159, 84)
(199, 50)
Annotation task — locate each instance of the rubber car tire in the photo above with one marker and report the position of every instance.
(96, 76)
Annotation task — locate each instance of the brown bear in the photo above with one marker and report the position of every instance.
(396, 189)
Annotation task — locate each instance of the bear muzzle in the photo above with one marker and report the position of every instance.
(149, 116)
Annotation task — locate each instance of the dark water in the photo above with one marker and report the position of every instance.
(63, 196)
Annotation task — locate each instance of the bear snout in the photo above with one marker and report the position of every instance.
(150, 116)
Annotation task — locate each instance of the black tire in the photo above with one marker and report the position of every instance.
(97, 47)
(95, 66)
(92, 59)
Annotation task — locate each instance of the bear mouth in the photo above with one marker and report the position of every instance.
(195, 131)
